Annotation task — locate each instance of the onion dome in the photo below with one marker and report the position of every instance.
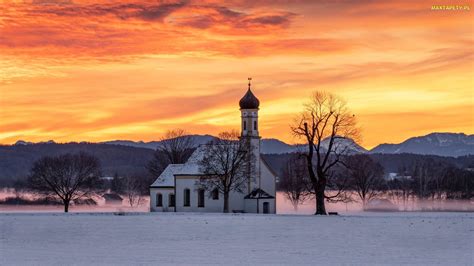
(249, 101)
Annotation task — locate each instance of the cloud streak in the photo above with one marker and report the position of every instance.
(90, 70)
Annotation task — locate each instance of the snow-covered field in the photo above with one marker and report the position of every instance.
(236, 239)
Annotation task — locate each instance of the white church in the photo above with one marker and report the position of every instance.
(177, 188)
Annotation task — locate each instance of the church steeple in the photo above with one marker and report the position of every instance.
(249, 109)
(249, 105)
(249, 101)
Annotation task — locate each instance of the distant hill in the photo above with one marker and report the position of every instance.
(16, 160)
(275, 146)
(197, 140)
(442, 144)
(124, 158)
(268, 146)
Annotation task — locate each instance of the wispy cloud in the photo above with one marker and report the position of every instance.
(94, 70)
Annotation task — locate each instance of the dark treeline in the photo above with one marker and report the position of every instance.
(401, 177)
(431, 176)
(16, 161)
(390, 162)
(79, 175)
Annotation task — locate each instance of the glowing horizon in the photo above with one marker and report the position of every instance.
(88, 71)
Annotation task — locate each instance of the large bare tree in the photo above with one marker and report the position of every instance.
(365, 177)
(69, 176)
(325, 125)
(175, 147)
(226, 165)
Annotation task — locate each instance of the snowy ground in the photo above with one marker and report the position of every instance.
(237, 239)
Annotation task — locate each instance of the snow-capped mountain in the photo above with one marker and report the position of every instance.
(442, 144)
(344, 143)
(275, 146)
(268, 146)
(22, 142)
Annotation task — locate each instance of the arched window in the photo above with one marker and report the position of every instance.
(171, 200)
(187, 197)
(159, 200)
(245, 125)
(255, 125)
(215, 194)
(201, 193)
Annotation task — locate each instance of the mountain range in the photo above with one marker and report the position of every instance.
(124, 157)
(441, 144)
(268, 146)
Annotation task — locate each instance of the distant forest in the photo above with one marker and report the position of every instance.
(392, 163)
(16, 160)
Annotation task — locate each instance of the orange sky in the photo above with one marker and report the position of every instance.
(104, 70)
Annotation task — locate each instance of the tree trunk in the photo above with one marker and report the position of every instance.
(319, 189)
(320, 206)
(226, 202)
(66, 205)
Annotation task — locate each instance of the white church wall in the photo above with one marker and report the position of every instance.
(257, 205)
(271, 205)
(255, 144)
(165, 192)
(251, 205)
(236, 201)
(267, 182)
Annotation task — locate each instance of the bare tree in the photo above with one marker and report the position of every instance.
(400, 189)
(226, 165)
(69, 176)
(325, 125)
(365, 177)
(294, 180)
(175, 147)
(429, 178)
(459, 183)
(132, 188)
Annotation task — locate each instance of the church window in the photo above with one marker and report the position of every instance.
(201, 193)
(159, 200)
(171, 200)
(254, 125)
(245, 125)
(215, 194)
(187, 199)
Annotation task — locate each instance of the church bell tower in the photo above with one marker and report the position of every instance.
(249, 114)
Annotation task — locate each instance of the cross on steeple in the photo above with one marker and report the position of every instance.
(250, 79)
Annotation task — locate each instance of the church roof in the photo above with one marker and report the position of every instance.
(249, 101)
(191, 167)
(166, 179)
(259, 194)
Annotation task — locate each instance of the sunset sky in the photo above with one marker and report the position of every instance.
(105, 70)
